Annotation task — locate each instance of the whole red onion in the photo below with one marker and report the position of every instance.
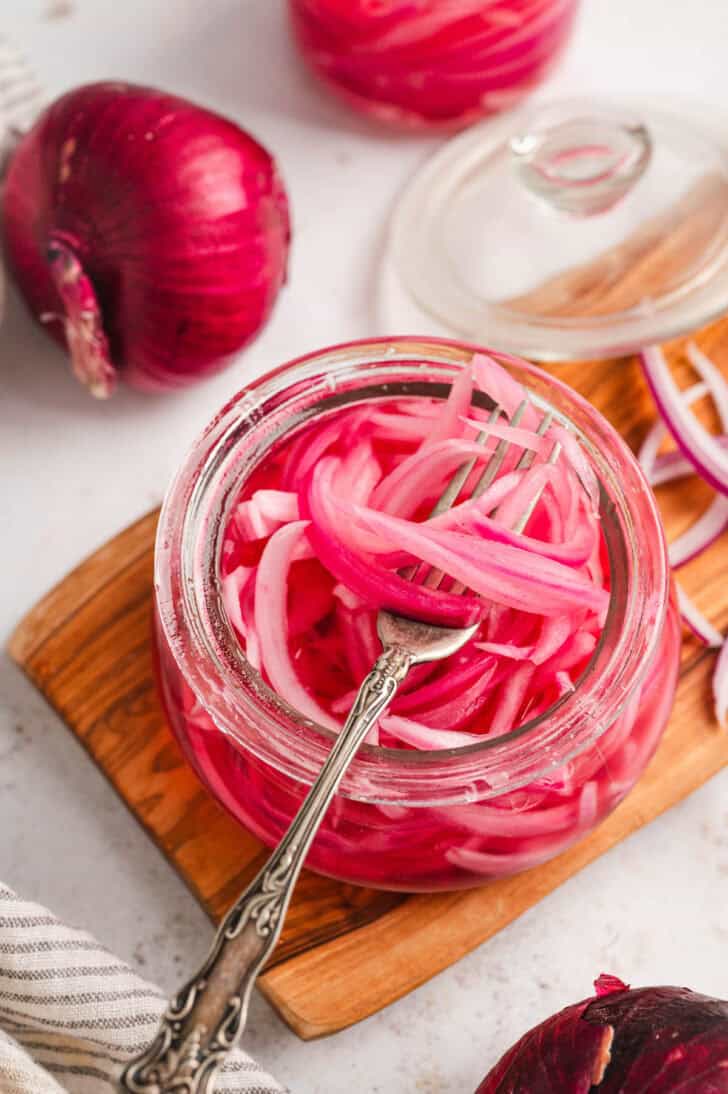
(645, 1041)
(432, 63)
(148, 234)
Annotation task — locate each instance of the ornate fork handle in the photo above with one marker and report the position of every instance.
(206, 1017)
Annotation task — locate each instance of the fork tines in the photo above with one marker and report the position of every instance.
(452, 491)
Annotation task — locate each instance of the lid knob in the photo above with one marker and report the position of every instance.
(582, 164)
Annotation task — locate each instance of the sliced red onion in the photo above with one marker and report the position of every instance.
(497, 571)
(696, 621)
(673, 465)
(703, 450)
(668, 467)
(701, 534)
(712, 377)
(271, 588)
(425, 737)
(647, 455)
(506, 649)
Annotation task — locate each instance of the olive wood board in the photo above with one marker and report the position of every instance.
(346, 952)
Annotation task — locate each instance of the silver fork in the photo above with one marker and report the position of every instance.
(204, 1020)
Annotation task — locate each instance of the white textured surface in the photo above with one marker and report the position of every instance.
(73, 472)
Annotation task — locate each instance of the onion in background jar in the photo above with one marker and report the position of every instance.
(432, 63)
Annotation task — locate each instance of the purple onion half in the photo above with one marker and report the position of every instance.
(645, 1041)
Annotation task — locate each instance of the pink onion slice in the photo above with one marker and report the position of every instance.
(500, 572)
(232, 586)
(425, 737)
(401, 491)
(647, 455)
(265, 511)
(670, 466)
(707, 455)
(271, 586)
(450, 422)
(663, 469)
(712, 377)
(316, 543)
(699, 536)
(379, 587)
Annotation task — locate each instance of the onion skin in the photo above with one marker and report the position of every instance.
(622, 1042)
(148, 235)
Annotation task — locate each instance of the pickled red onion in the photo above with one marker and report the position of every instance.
(701, 452)
(669, 466)
(498, 571)
(313, 544)
(270, 617)
(708, 457)
(696, 621)
(661, 469)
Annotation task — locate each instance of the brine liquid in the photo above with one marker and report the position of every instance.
(425, 849)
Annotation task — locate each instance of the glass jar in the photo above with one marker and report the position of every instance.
(432, 64)
(403, 819)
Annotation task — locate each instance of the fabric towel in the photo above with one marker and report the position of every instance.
(72, 1015)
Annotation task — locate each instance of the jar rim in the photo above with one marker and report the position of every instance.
(242, 706)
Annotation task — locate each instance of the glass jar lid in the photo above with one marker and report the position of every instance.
(574, 230)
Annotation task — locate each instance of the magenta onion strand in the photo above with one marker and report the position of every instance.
(696, 621)
(701, 452)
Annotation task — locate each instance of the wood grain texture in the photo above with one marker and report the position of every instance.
(647, 265)
(346, 952)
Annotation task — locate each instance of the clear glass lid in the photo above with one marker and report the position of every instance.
(573, 230)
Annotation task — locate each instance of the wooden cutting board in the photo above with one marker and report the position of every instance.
(346, 952)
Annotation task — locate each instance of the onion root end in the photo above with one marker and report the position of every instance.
(87, 343)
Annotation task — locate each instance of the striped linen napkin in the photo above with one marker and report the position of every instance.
(72, 1014)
